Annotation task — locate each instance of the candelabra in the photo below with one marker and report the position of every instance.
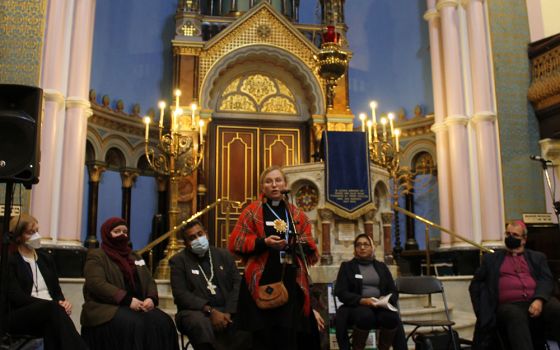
(332, 62)
(178, 153)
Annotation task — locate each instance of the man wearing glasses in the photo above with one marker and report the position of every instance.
(512, 295)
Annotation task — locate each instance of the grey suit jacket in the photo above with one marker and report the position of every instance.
(189, 289)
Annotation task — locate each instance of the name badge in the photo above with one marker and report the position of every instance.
(358, 276)
(195, 272)
(140, 262)
(269, 223)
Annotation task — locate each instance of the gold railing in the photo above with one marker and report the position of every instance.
(429, 224)
(150, 246)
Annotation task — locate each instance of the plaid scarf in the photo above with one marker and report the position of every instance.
(249, 227)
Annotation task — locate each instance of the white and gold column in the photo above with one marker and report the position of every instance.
(456, 119)
(439, 128)
(485, 125)
(77, 112)
(53, 81)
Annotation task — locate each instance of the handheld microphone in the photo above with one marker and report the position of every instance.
(540, 159)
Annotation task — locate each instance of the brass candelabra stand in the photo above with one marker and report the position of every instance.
(178, 152)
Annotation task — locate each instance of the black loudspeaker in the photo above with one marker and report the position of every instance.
(21, 109)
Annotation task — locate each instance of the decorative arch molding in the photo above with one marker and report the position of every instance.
(95, 141)
(122, 144)
(416, 147)
(276, 62)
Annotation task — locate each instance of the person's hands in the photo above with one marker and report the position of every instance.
(535, 308)
(136, 304)
(320, 321)
(367, 302)
(275, 242)
(147, 305)
(220, 320)
(66, 305)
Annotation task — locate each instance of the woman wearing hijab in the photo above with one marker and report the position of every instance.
(357, 282)
(120, 298)
(264, 237)
(36, 304)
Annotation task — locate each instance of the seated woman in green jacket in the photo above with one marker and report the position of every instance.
(120, 298)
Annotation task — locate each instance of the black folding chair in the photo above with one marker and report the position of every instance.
(426, 285)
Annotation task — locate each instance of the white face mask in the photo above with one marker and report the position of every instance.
(34, 241)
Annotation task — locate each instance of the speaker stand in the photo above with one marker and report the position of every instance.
(4, 316)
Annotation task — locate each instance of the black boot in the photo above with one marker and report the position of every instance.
(386, 337)
(359, 338)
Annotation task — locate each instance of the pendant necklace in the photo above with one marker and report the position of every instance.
(209, 285)
(280, 225)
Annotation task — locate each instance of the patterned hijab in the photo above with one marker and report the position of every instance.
(118, 250)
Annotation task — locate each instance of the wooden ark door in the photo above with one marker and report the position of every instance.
(238, 154)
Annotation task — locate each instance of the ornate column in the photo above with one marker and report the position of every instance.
(439, 128)
(327, 217)
(411, 243)
(44, 203)
(128, 176)
(387, 218)
(369, 218)
(95, 170)
(75, 129)
(456, 119)
(484, 120)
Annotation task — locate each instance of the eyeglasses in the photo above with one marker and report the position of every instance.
(362, 245)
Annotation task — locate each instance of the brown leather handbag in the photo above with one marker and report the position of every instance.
(272, 295)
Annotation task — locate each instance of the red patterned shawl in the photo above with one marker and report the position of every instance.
(249, 227)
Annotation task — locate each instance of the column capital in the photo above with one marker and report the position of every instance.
(456, 119)
(54, 96)
(387, 218)
(431, 14)
(128, 176)
(447, 3)
(95, 169)
(326, 215)
(438, 127)
(77, 102)
(369, 216)
(484, 116)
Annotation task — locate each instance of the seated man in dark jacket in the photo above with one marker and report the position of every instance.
(512, 292)
(205, 285)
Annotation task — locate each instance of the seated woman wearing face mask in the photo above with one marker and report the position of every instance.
(120, 298)
(36, 304)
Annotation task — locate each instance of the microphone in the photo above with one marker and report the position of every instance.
(540, 159)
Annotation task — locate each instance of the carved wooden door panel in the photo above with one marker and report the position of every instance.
(238, 154)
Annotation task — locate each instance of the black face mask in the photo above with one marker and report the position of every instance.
(512, 242)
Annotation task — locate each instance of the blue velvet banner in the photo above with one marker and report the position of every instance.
(347, 179)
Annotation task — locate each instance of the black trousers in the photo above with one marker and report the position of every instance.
(528, 333)
(47, 320)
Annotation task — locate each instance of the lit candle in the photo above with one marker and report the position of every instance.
(363, 120)
(193, 111)
(397, 134)
(161, 106)
(369, 125)
(384, 126)
(373, 106)
(391, 117)
(201, 126)
(147, 122)
(177, 95)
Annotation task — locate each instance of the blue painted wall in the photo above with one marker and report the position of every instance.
(391, 58)
(132, 57)
(143, 205)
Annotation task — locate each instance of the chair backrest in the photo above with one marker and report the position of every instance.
(419, 285)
